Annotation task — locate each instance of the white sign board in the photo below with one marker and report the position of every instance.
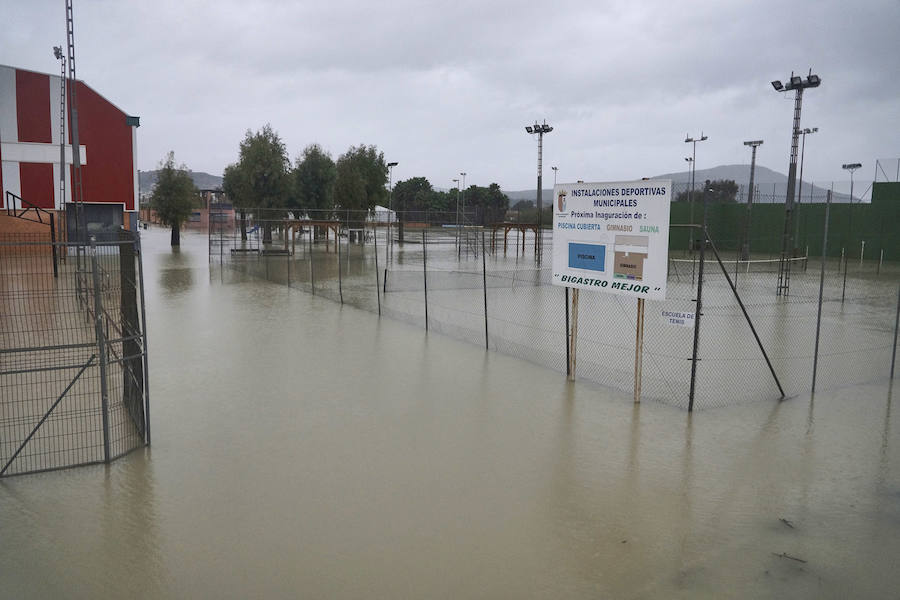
(612, 237)
(677, 317)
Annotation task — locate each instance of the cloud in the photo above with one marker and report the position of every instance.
(445, 87)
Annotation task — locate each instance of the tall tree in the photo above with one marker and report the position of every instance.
(260, 178)
(173, 196)
(235, 186)
(313, 178)
(720, 191)
(361, 175)
(414, 194)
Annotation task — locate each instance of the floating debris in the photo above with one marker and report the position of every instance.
(788, 556)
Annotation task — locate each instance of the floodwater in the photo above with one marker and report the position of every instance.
(306, 449)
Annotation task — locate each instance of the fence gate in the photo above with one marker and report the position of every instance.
(73, 376)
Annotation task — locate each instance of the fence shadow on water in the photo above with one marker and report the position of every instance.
(453, 281)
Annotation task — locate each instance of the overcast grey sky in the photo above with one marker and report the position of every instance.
(444, 87)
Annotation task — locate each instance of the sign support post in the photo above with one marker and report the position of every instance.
(573, 337)
(639, 350)
(614, 238)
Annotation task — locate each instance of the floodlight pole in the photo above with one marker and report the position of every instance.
(800, 192)
(555, 170)
(57, 52)
(849, 167)
(798, 84)
(689, 140)
(456, 181)
(390, 167)
(458, 247)
(540, 129)
(745, 247)
(690, 162)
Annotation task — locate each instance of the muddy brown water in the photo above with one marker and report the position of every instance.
(305, 449)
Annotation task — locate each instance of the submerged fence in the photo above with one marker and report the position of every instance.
(467, 283)
(73, 359)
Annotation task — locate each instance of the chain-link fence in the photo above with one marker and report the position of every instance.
(73, 363)
(467, 283)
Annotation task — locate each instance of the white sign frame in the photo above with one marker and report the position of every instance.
(612, 237)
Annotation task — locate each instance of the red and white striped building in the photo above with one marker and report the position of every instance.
(30, 144)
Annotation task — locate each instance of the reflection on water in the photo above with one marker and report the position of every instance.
(176, 270)
(306, 449)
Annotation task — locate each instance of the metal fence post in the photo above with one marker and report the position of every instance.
(844, 258)
(377, 286)
(425, 275)
(699, 307)
(312, 269)
(821, 288)
(140, 253)
(101, 348)
(53, 244)
(484, 282)
(568, 364)
(340, 268)
(896, 325)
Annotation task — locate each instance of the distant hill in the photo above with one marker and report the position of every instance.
(203, 181)
(740, 174)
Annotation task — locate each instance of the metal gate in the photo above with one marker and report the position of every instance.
(73, 359)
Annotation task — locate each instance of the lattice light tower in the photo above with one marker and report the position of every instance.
(798, 84)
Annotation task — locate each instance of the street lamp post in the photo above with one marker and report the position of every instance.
(689, 140)
(800, 192)
(555, 170)
(745, 247)
(540, 129)
(798, 84)
(391, 166)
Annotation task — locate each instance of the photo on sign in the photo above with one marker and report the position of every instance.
(631, 252)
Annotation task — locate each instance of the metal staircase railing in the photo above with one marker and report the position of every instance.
(41, 215)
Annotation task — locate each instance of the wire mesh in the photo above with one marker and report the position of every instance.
(53, 374)
(467, 283)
